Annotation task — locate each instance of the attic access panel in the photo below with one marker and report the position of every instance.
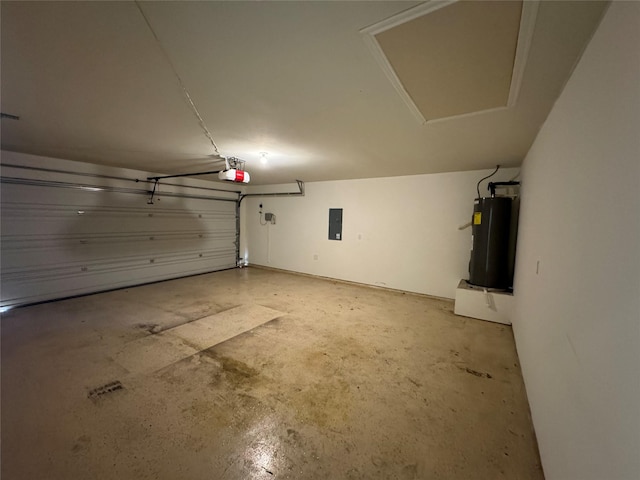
(455, 59)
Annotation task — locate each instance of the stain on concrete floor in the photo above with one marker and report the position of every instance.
(96, 393)
(352, 383)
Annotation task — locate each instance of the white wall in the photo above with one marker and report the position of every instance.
(577, 322)
(398, 232)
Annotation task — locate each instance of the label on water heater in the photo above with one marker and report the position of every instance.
(477, 218)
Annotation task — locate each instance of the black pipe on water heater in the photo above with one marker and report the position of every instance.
(490, 261)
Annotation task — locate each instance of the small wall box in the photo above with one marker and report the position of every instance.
(474, 302)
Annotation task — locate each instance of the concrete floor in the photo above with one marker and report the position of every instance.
(349, 382)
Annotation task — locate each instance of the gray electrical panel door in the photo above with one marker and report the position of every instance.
(335, 224)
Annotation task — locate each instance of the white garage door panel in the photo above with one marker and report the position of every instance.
(29, 289)
(58, 242)
(96, 251)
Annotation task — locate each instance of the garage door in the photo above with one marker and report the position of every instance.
(68, 234)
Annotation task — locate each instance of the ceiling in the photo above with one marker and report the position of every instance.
(330, 90)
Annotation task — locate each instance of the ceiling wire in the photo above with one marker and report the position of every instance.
(488, 176)
(182, 85)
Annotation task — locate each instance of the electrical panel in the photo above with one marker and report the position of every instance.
(335, 224)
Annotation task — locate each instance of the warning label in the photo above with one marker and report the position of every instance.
(477, 218)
